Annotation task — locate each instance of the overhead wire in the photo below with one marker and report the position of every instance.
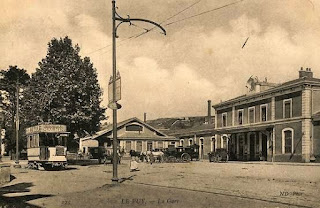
(170, 23)
(192, 16)
(202, 13)
(146, 30)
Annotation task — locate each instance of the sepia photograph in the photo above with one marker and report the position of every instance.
(148, 103)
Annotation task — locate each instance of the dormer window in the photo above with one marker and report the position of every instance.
(134, 128)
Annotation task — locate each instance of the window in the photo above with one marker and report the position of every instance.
(134, 127)
(224, 119)
(240, 117)
(160, 145)
(287, 108)
(251, 116)
(139, 146)
(128, 146)
(190, 142)
(263, 112)
(287, 141)
(181, 142)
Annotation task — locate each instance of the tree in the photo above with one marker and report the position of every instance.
(65, 90)
(12, 80)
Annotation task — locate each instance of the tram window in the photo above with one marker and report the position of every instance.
(30, 142)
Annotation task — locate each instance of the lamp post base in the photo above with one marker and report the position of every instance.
(17, 165)
(115, 181)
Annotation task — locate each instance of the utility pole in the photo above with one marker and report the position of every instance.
(17, 125)
(113, 104)
(2, 115)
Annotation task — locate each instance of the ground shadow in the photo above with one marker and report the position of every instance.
(18, 201)
(130, 178)
(12, 177)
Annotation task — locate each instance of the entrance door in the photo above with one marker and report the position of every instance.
(252, 140)
(149, 146)
(201, 149)
(241, 147)
(264, 146)
(43, 153)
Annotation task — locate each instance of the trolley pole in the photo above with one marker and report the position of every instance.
(114, 105)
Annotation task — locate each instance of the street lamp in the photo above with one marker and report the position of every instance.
(113, 104)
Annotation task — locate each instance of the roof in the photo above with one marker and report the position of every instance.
(184, 126)
(198, 130)
(121, 124)
(240, 129)
(283, 86)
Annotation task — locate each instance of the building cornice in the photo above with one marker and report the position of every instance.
(266, 124)
(288, 87)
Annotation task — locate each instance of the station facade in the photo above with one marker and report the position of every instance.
(272, 122)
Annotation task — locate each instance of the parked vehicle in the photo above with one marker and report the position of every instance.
(219, 155)
(182, 154)
(97, 153)
(47, 146)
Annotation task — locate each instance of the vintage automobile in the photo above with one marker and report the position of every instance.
(181, 154)
(220, 155)
(97, 153)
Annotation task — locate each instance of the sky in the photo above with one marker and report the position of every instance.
(201, 58)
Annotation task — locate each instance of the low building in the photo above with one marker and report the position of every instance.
(86, 143)
(197, 130)
(272, 122)
(203, 135)
(134, 134)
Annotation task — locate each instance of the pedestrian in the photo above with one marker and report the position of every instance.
(133, 165)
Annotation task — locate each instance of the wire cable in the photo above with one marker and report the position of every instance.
(202, 13)
(170, 23)
(146, 30)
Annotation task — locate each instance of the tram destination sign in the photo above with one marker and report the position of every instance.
(46, 128)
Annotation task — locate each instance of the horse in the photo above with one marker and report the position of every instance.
(152, 156)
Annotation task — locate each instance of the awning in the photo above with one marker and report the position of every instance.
(243, 129)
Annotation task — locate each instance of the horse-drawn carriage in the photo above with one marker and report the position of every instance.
(181, 154)
(219, 155)
(148, 156)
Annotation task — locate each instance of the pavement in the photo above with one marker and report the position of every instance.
(194, 184)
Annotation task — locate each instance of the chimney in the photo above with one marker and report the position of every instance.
(305, 73)
(145, 117)
(209, 111)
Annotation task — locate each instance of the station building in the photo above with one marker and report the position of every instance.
(272, 122)
(203, 135)
(134, 134)
(196, 130)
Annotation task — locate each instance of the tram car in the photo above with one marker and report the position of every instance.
(47, 146)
